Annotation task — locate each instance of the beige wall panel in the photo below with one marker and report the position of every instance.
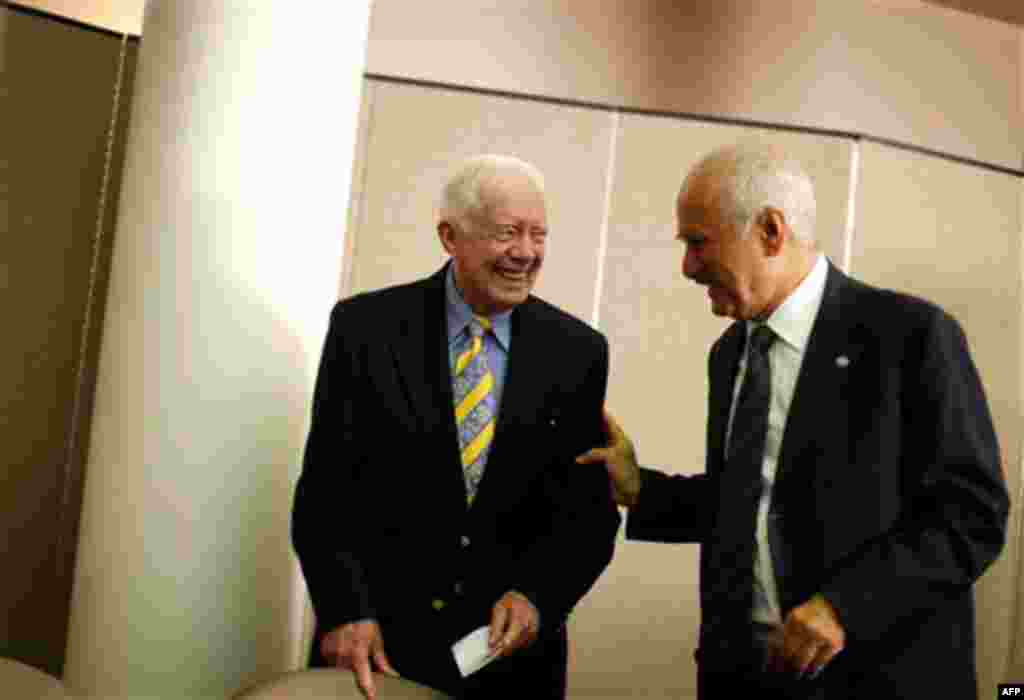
(933, 77)
(122, 16)
(923, 74)
(950, 233)
(418, 135)
(640, 622)
(355, 205)
(1016, 666)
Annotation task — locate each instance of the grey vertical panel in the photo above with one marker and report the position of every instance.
(951, 233)
(61, 86)
(1015, 668)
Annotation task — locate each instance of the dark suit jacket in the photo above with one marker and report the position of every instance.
(889, 497)
(380, 520)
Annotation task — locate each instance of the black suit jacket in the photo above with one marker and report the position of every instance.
(889, 496)
(380, 520)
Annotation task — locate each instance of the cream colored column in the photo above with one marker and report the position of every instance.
(226, 264)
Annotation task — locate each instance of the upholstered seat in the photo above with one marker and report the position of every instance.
(18, 680)
(337, 685)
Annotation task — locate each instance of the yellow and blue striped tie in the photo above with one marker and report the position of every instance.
(473, 386)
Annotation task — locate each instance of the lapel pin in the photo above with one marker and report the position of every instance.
(842, 362)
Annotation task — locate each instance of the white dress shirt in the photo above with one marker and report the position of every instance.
(792, 322)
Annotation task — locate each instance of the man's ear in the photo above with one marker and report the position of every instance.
(773, 231)
(446, 234)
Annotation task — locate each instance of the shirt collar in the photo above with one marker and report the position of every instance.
(460, 315)
(793, 320)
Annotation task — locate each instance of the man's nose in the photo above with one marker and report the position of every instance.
(524, 248)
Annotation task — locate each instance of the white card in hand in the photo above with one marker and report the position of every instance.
(472, 652)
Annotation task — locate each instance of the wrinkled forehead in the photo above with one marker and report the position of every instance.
(701, 196)
(512, 193)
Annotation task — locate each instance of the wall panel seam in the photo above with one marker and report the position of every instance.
(355, 220)
(851, 208)
(602, 246)
(90, 305)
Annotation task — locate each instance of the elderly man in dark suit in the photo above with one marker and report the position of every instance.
(853, 490)
(438, 491)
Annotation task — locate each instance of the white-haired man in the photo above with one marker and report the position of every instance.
(438, 491)
(853, 490)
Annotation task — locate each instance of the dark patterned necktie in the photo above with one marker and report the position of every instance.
(733, 542)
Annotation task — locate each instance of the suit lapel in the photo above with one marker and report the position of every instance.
(817, 412)
(420, 352)
(529, 368)
(724, 365)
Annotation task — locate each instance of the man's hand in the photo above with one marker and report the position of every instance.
(514, 624)
(354, 646)
(811, 637)
(619, 457)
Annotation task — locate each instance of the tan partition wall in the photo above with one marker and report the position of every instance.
(62, 149)
(639, 625)
(416, 136)
(951, 233)
(1016, 667)
(891, 69)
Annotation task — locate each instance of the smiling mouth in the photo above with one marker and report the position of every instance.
(515, 276)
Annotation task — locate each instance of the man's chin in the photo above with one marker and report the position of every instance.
(723, 310)
(506, 299)
(513, 290)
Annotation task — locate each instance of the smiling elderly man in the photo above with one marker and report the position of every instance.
(438, 492)
(853, 491)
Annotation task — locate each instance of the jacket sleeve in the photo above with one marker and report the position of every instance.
(676, 509)
(673, 509)
(324, 532)
(955, 504)
(559, 569)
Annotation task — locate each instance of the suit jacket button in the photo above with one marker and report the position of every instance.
(464, 540)
(458, 588)
(437, 604)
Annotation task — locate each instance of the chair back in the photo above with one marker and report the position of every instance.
(18, 680)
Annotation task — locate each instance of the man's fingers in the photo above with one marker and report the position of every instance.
(805, 656)
(380, 659)
(597, 454)
(612, 427)
(511, 640)
(794, 642)
(821, 660)
(364, 677)
(499, 620)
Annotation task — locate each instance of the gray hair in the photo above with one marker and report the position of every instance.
(755, 176)
(462, 196)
